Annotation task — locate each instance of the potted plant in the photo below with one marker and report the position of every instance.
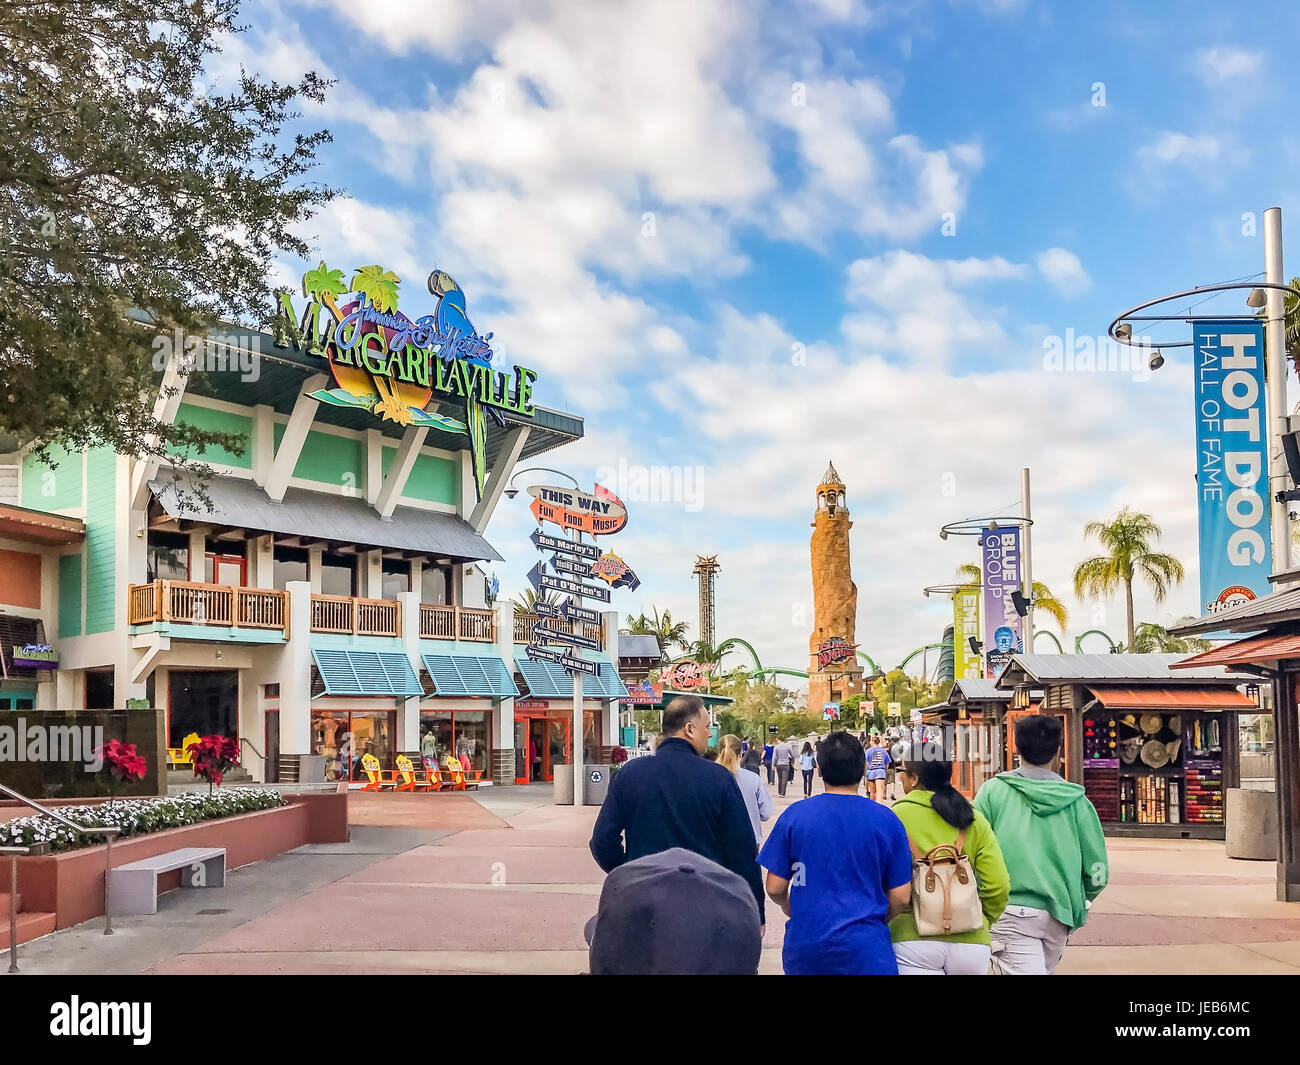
(213, 757)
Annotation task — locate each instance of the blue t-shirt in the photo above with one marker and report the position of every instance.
(767, 751)
(877, 759)
(842, 854)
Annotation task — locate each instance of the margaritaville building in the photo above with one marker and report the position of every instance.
(327, 593)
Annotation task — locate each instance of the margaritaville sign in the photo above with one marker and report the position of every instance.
(396, 367)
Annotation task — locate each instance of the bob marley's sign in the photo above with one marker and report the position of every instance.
(396, 367)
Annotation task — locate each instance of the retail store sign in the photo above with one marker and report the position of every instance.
(686, 676)
(35, 656)
(643, 694)
(1231, 463)
(397, 367)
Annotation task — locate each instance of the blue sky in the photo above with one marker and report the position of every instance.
(742, 239)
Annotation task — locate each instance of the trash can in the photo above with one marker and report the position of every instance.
(563, 784)
(1250, 827)
(595, 783)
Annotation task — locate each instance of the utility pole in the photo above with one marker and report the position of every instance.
(1028, 562)
(1276, 373)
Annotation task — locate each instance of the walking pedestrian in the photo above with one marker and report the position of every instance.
(783, 760)
(839, 867)
(807, 763)
(757, 801)
(1054, 849)
(877, 761)
(935, 813)
(678, 799)
(768, 748)
(753, 759)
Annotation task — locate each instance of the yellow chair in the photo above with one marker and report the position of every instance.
(370, 764)
(405, 773)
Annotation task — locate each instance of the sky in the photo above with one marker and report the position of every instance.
(743, 239)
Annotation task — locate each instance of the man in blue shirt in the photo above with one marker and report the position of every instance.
(840, 868)
(678, 799)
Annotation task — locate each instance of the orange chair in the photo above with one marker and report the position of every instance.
(456, 771)
(375, 778)
(405, 774)
(432, 777)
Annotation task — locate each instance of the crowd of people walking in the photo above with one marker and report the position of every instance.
(932, 884)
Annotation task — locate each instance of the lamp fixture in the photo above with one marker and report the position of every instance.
(1123, 331)
(1020, 698)
(975, 646)
(1256, 298)
(1021, 604)
(1156, 361)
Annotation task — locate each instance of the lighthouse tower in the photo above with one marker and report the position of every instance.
(833, 670)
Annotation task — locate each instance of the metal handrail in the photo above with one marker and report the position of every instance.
(14, 852)
(245, 739)
(107, 831)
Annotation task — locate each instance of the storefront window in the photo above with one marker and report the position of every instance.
(468, 732)
(344, 738)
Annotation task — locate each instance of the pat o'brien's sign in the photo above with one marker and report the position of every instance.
(396, 367)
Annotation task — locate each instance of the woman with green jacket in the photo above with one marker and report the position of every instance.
(934, 813)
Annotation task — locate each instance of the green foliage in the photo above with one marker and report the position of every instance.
(650, 722)
(377, 285)
(1150, 638)
(668, 633)
(1044, 599)
(1127, 539)
(126, 184)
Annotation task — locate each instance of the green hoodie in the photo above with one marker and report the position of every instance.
(927, 830)
(1051, 839)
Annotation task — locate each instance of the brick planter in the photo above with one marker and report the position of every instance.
(71, 884)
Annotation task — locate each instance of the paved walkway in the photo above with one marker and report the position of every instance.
(502, 882)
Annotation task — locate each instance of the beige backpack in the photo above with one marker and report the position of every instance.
(945, 896)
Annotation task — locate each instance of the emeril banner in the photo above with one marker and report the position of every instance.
(966, 624)
(1000, 564)
(1231, 463)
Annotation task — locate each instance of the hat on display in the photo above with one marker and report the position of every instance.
(1150, 724)
(674, 913)
(1128, 749)
(1155, 754)
(1175, 724)
(1130, 720)
(1172, 747)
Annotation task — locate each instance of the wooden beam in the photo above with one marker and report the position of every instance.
(403, 462)
(165, 407)
(295, 435)
(501, 471)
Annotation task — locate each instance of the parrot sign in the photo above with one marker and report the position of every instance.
(397, 367)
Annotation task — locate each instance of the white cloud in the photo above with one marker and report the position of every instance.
(1063, 270)
(1171, 147)
(1217, 65)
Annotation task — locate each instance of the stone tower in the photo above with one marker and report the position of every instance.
(834, 674)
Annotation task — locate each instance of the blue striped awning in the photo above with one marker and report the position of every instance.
(367, 672)
(550, 680)
(469, 675)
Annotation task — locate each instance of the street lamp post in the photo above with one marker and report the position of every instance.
(1275, 359)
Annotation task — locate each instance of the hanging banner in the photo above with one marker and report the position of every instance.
(1003, 634)
(1231, 463)
(967, 665)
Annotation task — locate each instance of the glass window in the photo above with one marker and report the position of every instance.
(168, 562)
(331, 736)
(345, 738)
(435, 584)
(99, 689)
(435, 734)
(468, 732)
(337, 575)
(372, 733)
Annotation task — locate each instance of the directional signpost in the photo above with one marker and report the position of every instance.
(572, 564)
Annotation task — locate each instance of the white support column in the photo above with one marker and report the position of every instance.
(263, 445)
(417, 575)
(315, 555)
(295, 435)
(408, 717)
(165, 407)
(499, 477)
(261, 562)
(295, 673)
(372, 584)
(1276, 368)
(579, 773)
(408, 451)
(374, 461)
(198, 555)
(609, 636)
(503, 713)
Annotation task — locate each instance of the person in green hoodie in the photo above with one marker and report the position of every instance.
(1052, 841)
(934, 813)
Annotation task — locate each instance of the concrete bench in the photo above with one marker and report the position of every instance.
(134, 887)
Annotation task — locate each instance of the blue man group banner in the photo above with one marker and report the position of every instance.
(1000, 565)
(966, 624)
(1231, 463)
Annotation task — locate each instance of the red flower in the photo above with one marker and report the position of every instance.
(122, 761)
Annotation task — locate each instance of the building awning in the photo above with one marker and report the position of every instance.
(470, 675)
(1174, 699)
(550, 680)
(38, 527)
(366, 673)
(241, 504)
(1252, 649)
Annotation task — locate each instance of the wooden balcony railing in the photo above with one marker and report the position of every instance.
(457, 623)
(192, 603)
(358, 617)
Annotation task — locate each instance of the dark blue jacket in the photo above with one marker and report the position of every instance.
(677, 799)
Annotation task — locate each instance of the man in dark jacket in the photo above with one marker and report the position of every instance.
(678, 799)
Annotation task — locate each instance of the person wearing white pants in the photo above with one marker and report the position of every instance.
(934, 957)
(1027, 942)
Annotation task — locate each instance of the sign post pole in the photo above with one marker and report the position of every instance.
(1275, 390)
(576, 742)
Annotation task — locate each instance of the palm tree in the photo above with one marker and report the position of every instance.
(706, 654)
(969, 574)
(662, 627)
(526, 601)
(379, 286)
(1127, 538)
(1291, 321)
(1150, 637)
